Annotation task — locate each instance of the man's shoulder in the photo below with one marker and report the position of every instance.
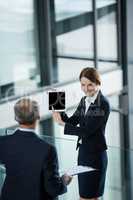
(5, 137)
(44, 141)
(4, 140)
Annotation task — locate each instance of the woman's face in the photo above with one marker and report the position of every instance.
(88, 87)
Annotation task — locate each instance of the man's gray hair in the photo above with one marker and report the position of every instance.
(26, 111)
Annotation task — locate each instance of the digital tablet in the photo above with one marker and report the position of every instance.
(57, 101)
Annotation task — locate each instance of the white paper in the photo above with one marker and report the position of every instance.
(79, 169)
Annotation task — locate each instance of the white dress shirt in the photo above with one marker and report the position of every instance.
(27, 129)
(89, 100)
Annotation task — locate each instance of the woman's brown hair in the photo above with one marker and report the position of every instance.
(92, 74)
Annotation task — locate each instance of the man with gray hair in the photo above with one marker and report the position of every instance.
(26, 112)
(31, 163)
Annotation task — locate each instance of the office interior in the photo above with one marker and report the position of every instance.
(44, 46)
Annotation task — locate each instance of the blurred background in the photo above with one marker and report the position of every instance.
(45, 45)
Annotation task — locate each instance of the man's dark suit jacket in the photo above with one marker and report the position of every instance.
(91, 125)
(31, 168)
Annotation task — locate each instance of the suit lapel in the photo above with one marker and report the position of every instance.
(83, 106)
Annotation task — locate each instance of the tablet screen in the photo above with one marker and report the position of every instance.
(57, 101)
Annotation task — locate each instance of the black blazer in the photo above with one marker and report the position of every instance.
(91, 125)
(31, 168)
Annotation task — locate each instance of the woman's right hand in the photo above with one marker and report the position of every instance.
(57, 118)
(56, 115)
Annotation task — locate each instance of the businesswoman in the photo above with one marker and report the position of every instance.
(88, 123)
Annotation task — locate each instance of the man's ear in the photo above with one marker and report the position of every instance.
(15, 118)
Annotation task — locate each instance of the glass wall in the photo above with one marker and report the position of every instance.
(70, 68)
(18, 58)
(107, 38)
(113, 133)
(66, 9)
(75, 40)
(86, 35)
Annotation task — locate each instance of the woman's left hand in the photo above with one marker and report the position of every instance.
(57, 118)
